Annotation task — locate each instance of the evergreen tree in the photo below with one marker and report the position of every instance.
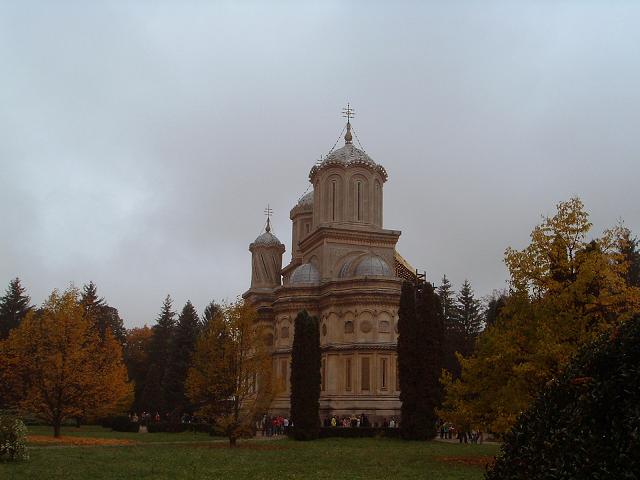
(305, 377)
(468, 318)
(445, 292)
(182, 347)
(421, 332)
(102, 316)
(14, 306)
(211, 311)
(495, 303)
(631, 255)
(452, 337)
(154, 396)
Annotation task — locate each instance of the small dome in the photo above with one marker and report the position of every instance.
(305, 274)
(267, 239)
(306, 199)
(348, 154)
(372, 265)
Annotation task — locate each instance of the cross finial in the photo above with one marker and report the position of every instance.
(268, 212)
(348, 113)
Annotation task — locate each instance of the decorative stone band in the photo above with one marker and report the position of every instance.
(339, 347)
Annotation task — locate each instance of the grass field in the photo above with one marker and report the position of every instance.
(198, 456)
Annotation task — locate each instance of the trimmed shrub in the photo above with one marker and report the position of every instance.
(123, 424)
(360, 432)
(13, 439)
(587, 423)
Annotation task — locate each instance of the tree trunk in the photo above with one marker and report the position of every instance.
(56, 428)
(232, 442)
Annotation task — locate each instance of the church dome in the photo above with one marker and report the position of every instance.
(347, 155)
(372, 265)
(305, 274)
(267, 239)
(306, 200)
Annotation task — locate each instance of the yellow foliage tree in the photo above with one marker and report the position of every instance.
(565, 290)
(230, 379)
(55, 365)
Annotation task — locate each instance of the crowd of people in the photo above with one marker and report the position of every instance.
(356, 421)
(273, 426)
(448, 431)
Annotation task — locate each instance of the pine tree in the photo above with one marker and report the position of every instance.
(305, 377)
(103, 316)
(495, 303)
(14, 306)
(182, 347)
(445, 292)
(154, 396)
(452, 337)
(468, 318)
(629, 250)
(211, 311)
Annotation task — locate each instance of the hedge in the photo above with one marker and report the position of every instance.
(124, 424)
(359, 432)
(586, 424)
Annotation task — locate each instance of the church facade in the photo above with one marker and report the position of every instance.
(346, 271)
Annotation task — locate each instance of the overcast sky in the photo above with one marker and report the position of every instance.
(141, 141)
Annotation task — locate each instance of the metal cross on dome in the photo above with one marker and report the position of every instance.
(268, 212)
(348, 112)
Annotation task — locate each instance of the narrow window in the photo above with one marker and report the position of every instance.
(347, 374)
(333, 200)
(383, 373)
(323, 374)
(364, 380)
(359, 200)
(308, 227)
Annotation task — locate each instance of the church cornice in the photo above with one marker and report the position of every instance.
(354, 236)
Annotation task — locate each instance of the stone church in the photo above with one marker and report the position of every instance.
(346, 271)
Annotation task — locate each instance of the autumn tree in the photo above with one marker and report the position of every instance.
(305, 377)
(136, 358)
(153, 397)
(565, 290)
(182, 347)
(230, 378)
(14, 306)
(56, 367)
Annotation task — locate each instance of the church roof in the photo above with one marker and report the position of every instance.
(305, 274)
(267, 238)
(306, 199)
(348, 155)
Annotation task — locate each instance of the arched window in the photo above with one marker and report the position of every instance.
(333, 200)
(359, 201)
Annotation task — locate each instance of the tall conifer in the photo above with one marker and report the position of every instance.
(153, 395)
(305, 377)
(421, 330)
(182, 348)
(14, 306)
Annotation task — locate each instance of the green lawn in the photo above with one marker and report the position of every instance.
(198, 456)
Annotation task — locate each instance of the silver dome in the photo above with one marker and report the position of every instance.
(306, 199)
(305, 274)
(372, 265)
(267, 239)
(348, 154)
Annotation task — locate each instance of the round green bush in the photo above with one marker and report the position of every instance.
(586, 424)
(13, 439)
